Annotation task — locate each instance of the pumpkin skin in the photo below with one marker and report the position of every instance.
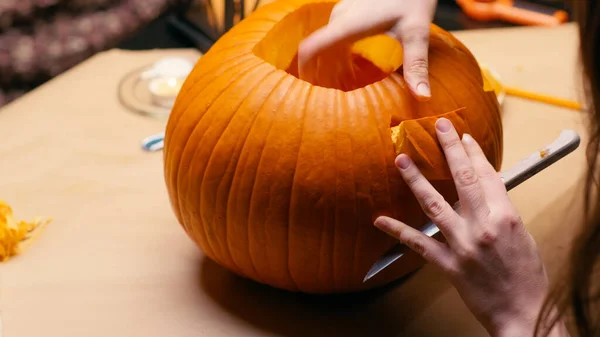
(279, 179)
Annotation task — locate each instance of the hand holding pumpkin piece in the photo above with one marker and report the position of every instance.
(489, 256)
(405, 20)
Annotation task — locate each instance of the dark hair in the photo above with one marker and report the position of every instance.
(576, 293)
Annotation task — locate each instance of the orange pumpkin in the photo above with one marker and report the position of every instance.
(279, 178)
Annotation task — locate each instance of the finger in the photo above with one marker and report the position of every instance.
(431, 201)
(414, 36)
(346, 24)
(471, 195)
(430, 249)
(490, 180)
(336, 31)
(340, 8)
(321, 39)
(317, 41)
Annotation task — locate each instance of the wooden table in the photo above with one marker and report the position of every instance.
(114, 262)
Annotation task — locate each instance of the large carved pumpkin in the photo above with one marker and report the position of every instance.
(279, 179)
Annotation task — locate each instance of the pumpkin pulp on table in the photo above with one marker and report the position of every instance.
(278, 176)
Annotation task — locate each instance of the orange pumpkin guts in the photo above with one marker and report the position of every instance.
(279, 178)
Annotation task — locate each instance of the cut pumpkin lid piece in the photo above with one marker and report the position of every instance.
(15, 234)
(417, 138)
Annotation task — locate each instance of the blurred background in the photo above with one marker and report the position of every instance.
(39, 39)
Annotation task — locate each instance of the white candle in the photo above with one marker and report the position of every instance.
(164, 90)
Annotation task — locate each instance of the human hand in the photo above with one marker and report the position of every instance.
(406, 20)
(489, 256)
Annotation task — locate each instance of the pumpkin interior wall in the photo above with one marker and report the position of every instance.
(344, 67)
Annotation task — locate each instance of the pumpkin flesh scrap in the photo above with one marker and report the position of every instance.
(14, 233)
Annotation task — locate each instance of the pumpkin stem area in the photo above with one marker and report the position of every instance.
(345, 66)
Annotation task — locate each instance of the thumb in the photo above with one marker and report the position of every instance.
(415, 43)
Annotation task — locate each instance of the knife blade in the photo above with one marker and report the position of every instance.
(566, 143)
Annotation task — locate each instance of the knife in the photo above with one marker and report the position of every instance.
(566, 143)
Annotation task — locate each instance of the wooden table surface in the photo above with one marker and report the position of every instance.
(114, 262)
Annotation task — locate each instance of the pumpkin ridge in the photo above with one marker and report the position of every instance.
(352, 97)
(228, 175)
(405, 102)
(175, 166)
(376, 97)
(198, 134)
(340, 107)
(347, 120)
(242, 104)
(458, 69)
(434, 79)
(376, 194)
(336, 101)
(251, 199)
(193, 80)
(498, 137)
(297, 89)
(200, 188)
(446, 47)
(485, 119)
(183, 106)
(359, 223)
(381, 129)
(381, 93)
(387, 97)
(270, 201)
(323, 223)
(319, 126)
(491, 102)
(292, 192)
(174, 125)
(327, 242)
(284, 183)
(372, 97)
(230, 204)
(200, 71)
(457, 64)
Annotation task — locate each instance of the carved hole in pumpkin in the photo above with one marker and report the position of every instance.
(345, 66)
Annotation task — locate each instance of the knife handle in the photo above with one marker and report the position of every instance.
(566, 142)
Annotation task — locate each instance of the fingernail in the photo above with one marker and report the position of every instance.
(443, 125)
(403, 161)
(382, 224)
(423, 90)
(467, 138)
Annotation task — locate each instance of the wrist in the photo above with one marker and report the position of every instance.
(519, 324)
(515, 330)
(525, 326)
(559, 330)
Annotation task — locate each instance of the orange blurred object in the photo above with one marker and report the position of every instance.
(516, 12)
